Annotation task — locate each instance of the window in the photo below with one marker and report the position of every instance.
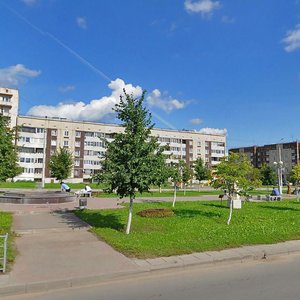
(77, 163)
(77, 144)
(53, 142)
(54, 132)
(77, 153)
(66, 143)
(40, 130)
(78, 134)
(76, 172)
(66, 133)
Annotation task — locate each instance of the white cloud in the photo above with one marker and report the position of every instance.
(292, 39)
(81, 22)
(196, 121)
(67, 88)
(165, 102)
(29, 2)
(14, 75)
(214, 131)
(228, 20)
(96, 110)
(204, 7)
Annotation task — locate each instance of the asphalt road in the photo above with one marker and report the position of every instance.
(275, 279)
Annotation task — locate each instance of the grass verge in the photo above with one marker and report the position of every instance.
(195, 227)
(5, 227)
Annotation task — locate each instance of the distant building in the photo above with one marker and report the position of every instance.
(288, 153)
(39, 137)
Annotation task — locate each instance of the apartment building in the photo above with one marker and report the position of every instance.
(40, 137)
(287, 153)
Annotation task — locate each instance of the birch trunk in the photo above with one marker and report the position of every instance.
(129, 216)
(160, 189)
(174, 199)
(230, 213)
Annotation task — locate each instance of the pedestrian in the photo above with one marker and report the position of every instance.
(65, 187)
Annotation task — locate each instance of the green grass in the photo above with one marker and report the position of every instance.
(19, 185)
(5, 227)
(195, 227)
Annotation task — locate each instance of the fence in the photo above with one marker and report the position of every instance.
(3, 252)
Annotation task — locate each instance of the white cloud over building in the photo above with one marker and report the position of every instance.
(14, 75)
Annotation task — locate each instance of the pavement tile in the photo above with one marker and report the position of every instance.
(142, 263)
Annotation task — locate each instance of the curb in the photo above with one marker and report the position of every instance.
(146, 266)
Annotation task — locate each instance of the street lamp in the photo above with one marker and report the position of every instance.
(279, 166)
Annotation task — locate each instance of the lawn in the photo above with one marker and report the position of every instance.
(5, 227)
(195, 227)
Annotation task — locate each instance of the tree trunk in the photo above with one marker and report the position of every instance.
(230, 213)
(174, 199)
(129, 216)
(184, 189)
(160, 189)
(199, 186)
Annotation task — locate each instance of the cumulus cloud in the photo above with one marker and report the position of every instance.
(204, 7)
(292, 39)
(96, 110)
(14, 75)
(29, 2)
(196, 121)
(67, 88)
(81, 22)
(164, 102)
(215, 131)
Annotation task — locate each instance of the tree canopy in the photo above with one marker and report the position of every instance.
(61, 163)
(201, 172)
(134, 157)
(9, 167)
(267, 175)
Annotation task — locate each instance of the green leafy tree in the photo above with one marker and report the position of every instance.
(9, 167)
(267, 175)
(187, 174)
(236, 175)
(132, 159)
(61, 163)
(201, 172)
(162, 172)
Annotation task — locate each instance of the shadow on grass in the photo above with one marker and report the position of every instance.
(216, 205)
(189, 213)
(98, 220)
(279, 208)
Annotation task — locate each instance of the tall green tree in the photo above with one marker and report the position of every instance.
(61, 163)
(236, 175)
(267, 175)
(162, 172)
(201, 172)
(131, 161)
(9, 167)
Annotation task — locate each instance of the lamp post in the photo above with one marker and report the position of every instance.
(279, 166)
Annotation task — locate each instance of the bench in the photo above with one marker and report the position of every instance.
(273, 198)
(84, 194)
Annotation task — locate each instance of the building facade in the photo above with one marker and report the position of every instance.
(40, 137)
(287, 153)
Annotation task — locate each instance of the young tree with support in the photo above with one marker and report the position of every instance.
(9, 167)
(131, 161)
(236, 175)
(61, 163)
(187, 175)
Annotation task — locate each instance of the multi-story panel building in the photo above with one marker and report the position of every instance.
(39, 137)
(288, 153)
(9, 104)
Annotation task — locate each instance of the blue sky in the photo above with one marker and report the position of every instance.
(206, 65)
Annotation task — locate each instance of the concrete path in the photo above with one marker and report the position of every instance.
(56, 250)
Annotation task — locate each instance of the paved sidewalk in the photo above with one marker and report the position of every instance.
(56, 250)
